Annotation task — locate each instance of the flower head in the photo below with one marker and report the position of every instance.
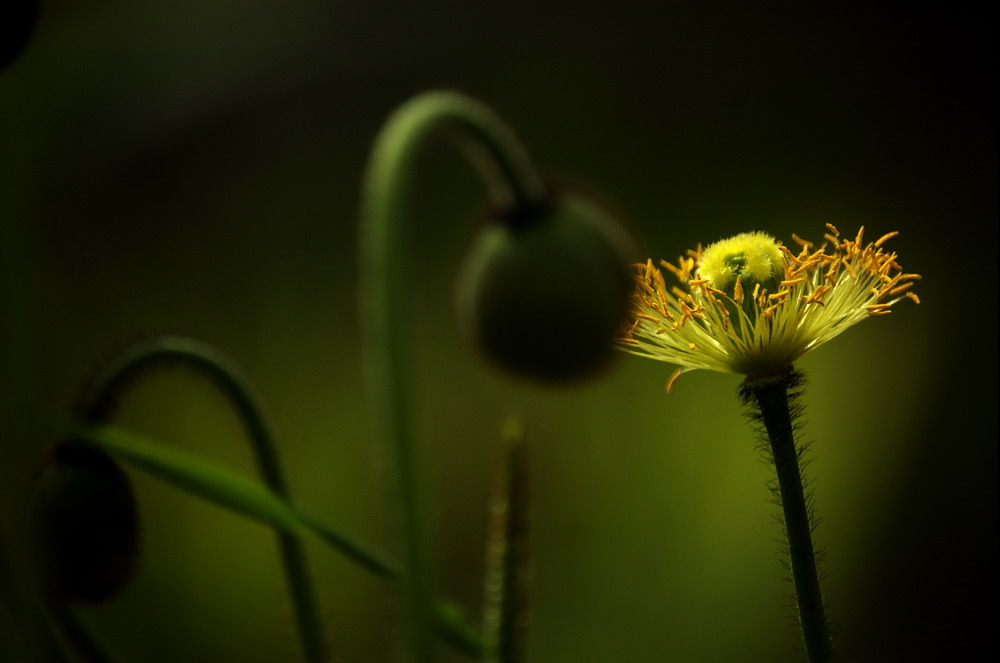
(749, 305)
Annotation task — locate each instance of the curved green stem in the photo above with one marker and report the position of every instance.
(771, 394)
(76, 635)
(34, 631)
(103, 393)
(231, 490)
(513, 184)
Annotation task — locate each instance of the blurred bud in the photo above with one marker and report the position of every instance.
(83, 524)
(17, 20)
(546, 296)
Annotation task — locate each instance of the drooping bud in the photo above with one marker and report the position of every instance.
(17, 21)
(546, 296)
(83, 524)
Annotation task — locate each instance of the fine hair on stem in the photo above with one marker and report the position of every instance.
(772, 403)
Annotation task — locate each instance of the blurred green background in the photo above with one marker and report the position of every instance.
(194, 167)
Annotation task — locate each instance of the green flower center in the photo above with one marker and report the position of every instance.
(753, 257)
(736, 262)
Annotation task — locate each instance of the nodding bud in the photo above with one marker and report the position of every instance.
(83, 524)
(17, 21)
(545, 296)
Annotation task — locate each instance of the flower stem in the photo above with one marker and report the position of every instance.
(84, 646)
(514, 185)
(231, 490)
(508, 554)
(35, 632)
(771, 395)
(103, 393)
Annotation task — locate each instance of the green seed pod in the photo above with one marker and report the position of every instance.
(747, 268)
(546, 296)
(83, 524)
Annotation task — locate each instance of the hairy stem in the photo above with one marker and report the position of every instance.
(513, 185)
(107, 388)
(771, 396)
(508, 553)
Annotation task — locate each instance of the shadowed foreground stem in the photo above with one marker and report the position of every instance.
(231, 490)
(107, 388)
(771, 395)
(84, 646)
(513, 184)
(29, 619)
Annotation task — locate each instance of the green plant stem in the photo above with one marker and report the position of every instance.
(512, 183)
(508, 551)
(103, 393)
(221, 486)
(771, 394)
(74, 634)
(34, 629)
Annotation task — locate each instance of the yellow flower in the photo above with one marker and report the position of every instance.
(749, 305)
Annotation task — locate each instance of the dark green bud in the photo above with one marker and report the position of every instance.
(17, 21)
(545, 296)
(83, 524)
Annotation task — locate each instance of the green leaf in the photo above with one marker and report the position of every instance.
(233, 491)
(225, 488)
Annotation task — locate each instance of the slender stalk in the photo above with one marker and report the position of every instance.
(34, 630)
(231, 490)
(101, 397)
(512, 183)
(508, 551)
(84, 646)
(771, 395)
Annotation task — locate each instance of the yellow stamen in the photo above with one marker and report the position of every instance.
(790, 255)
(885, 238)
(801, 242)
(900, 289)
(846, 278)
(673, 379)
(679, 272)
(850, 269)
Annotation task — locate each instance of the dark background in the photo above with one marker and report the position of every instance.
(193, 167)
